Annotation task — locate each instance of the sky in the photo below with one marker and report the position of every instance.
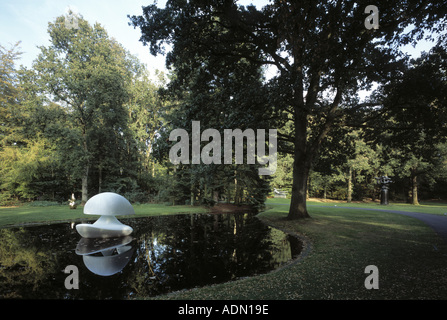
(27, 21)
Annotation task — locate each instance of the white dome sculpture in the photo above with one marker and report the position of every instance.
(107, 205)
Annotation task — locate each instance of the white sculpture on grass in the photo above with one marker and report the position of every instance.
(107, 205)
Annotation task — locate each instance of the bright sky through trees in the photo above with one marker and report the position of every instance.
(27, 21)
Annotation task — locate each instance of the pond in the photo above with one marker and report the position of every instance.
(163, 254)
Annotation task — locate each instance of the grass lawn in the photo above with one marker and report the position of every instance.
(424, 207)
(410, 257)
(28, 214)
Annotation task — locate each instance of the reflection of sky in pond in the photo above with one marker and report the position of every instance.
(164, 254)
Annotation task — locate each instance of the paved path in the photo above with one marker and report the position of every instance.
(437, 222)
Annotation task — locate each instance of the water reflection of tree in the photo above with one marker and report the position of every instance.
(195, 250)
(23, 266)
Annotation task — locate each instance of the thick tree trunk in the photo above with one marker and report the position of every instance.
(298, 208)
(301, 169)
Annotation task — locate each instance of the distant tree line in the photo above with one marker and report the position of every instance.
(86, 117)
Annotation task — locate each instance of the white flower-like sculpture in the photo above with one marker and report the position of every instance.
(107, 205)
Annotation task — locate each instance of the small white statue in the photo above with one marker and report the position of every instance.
(72, 202)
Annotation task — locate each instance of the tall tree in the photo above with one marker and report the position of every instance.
(30, 162)
(86, 71)
(221, 95)
(324, 53)
(9, 92)
(145, 110)
(415, 106)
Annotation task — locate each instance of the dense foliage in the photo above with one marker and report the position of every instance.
(79, 121)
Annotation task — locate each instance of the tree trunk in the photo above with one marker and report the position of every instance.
(301, 169)
(307, 187)
(350, 185)
(374, 192)
(216, 196)
(85, 185)
(298, 208)
(99, 179)
(415, 200)
(86, 168)
(409, 195)
(237, 190)
(153, 169)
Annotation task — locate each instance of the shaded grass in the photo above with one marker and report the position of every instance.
(411, 258)
(10, 216)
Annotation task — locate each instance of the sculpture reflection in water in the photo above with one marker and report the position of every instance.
(105, 247)
(105, 257)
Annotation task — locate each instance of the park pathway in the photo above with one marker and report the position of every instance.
(437, 222)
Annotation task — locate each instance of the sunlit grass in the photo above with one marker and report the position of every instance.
(27, 214)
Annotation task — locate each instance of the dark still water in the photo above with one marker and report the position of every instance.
(163, 254)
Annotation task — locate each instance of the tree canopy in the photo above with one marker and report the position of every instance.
(71, 118)
(323, 52)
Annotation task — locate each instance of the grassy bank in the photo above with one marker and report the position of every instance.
(44, 214)
(411, 258)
